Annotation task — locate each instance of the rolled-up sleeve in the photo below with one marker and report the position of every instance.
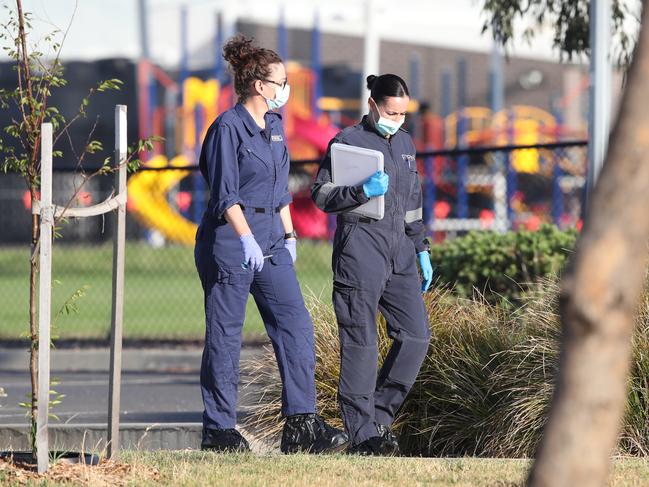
(286, 198)
(220, 158)
(335, 199)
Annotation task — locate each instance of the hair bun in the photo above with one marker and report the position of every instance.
(370, 81)
(238, 51)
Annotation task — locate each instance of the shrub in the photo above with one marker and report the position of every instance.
(485, 386)
(501, 266)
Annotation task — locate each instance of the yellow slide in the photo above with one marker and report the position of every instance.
(147, 194)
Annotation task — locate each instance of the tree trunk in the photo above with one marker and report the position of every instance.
(599, 297)
(32, 172)
(33, 324)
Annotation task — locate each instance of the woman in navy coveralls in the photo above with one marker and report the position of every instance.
(246, 244)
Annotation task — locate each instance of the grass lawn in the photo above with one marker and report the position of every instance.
(236, 470)
(163, 300)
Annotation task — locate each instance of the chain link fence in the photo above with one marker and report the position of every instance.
(482, 188)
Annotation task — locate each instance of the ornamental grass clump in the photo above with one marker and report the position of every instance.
(485, 386)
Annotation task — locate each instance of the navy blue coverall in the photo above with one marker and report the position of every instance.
(374, 267)
(248, 166)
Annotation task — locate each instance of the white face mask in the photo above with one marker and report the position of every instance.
(385, 126)
(281, 97)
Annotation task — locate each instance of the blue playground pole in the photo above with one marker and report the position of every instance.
(199, 182)
(462, 126)
(429, 192)
(153, 102)
(462, 168)
(413, 118)
(557, 174)
(316, 66)
(461, 83)
(414, 76)
(446, 93)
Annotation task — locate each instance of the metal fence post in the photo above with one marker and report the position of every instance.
(501, 221)
(599, 91)
(44, 300)
(371, 50)
(118, 285)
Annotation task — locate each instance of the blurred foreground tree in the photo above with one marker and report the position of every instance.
(602, 287)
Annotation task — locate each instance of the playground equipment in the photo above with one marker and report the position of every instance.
(472, 171)
(307, 133)
(181, 110)
(308, 137)
(149, 190)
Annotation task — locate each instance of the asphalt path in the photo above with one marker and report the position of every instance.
(158, 385)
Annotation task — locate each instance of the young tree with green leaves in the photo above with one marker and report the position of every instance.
(38, 73)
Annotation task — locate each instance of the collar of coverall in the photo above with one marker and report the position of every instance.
(249, 122)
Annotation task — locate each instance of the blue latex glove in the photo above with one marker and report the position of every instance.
(252, 255)
(426, 270)
(376, 185)
(291, 246)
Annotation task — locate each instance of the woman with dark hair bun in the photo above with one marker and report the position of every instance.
(245, 244)
(374, 267)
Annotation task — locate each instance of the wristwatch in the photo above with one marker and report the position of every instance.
(291, 234)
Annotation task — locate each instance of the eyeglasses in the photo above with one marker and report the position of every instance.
(280, 84)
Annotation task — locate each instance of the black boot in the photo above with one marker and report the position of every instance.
(224, 440)
(374, 446)
(309, 433)
(389, 438)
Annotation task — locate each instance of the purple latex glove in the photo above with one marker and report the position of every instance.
(291, 246)
(253, 257)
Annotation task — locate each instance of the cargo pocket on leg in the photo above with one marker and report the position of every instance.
(343, 298)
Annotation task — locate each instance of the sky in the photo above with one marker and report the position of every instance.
(110, 28)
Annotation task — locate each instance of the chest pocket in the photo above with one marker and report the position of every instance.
(255, 176)
(279, 150)
(249, 154)
(280, 154)
(411, 164)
